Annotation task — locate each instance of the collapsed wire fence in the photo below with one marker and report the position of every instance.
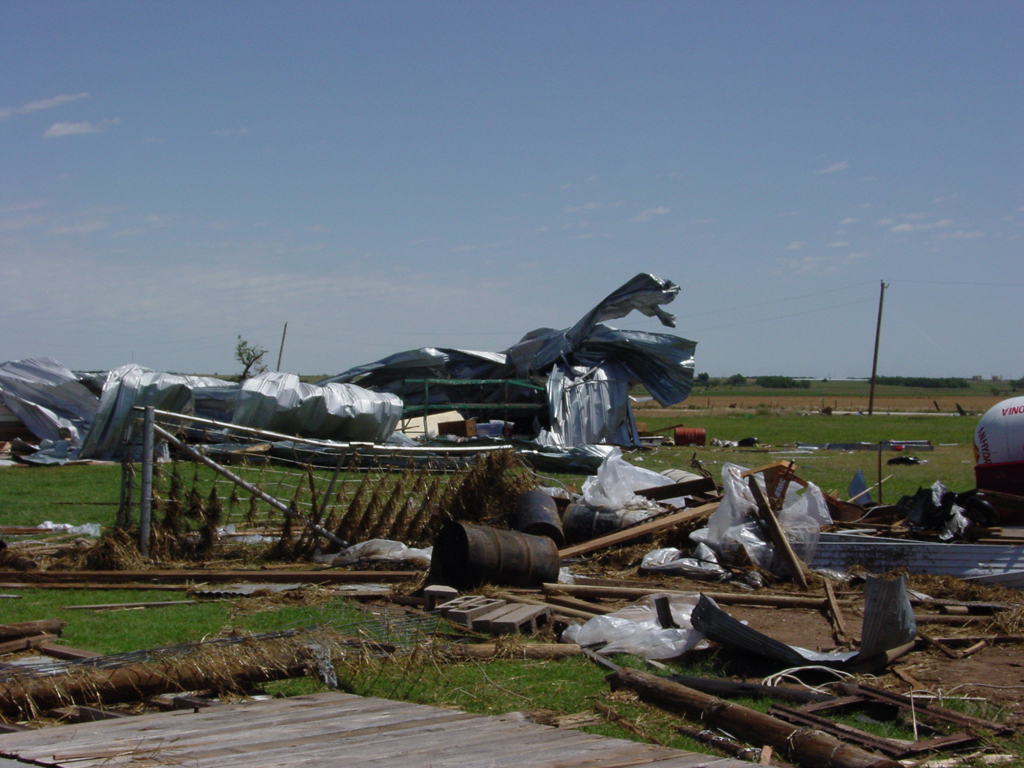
(231, 483)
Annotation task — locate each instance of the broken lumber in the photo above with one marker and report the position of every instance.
(722, 598)
(190, 577)
(114, 606)
(24, 643)
(809, 748)
(636, 531)
(29, 628)
(543, 651)
(835, 615)
(576, 613)
(732, 689)
(719, 742)
(778, 537)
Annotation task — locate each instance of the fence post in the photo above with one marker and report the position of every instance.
(146, 502)
(124, 509)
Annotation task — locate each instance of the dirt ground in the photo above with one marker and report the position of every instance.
(995, 673)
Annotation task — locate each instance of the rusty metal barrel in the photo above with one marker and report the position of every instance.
(467, 555)
(582, 523)
(537, 514)
(690, 436)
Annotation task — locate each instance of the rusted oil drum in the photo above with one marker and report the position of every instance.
(537, 514)
(582, 523)
(690, 436)
(467, 555)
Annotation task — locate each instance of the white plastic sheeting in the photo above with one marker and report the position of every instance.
(733, 524)
(635, 629)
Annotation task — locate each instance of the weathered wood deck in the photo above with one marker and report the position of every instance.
(334, 729)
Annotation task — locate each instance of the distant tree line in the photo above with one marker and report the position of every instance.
(923, 381)
(782, 382)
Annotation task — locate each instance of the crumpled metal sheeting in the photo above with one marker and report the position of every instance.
(48, 398)
(982, 563)
(888, 616)
(663, 363)
(579, 459)
(540, 349)
(888, 623)
(216, 402)
(130, 386)
(590, 406)
(280, 402)
(426, 363)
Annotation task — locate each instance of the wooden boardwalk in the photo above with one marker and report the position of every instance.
(334, 729)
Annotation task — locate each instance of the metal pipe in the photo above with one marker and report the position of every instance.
(146, 503)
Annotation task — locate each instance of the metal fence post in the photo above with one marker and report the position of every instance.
(146, 502)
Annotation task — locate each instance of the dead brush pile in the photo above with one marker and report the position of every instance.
(489, 490)
(230, 665)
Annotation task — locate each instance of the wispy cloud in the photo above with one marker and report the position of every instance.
(961, 235)
(849, 220)
(83, 227)
(841, 166)
(584, 207)
(28, 205)
(231, 132)
(475, 247)
(838, 244)
(650, 213)
(35, 106)
(823, 264)
(796, 245)
(58, 130)
(704, 221)
(920, 226)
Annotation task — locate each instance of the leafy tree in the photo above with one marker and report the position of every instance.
(702, 378)
(737, 379)
(250, 356)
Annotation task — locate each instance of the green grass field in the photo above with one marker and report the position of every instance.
(81, 494)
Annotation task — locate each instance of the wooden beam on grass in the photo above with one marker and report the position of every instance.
(809, 748)
(636, 531)
(722, 598)
(325, 576)
(777, 535)
(115, 606)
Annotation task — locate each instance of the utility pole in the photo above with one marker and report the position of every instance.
(874, 364)
(280, 352)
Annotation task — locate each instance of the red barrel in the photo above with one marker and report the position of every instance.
(690, 436)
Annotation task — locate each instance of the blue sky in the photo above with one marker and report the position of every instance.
(385, 176)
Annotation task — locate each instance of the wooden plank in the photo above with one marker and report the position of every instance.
(65, 652)
(777, 535)
(636, 531)
(331, 576)
(322, 729)
(115, 606)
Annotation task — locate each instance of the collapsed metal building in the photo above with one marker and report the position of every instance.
(561, 388)
(568, 387)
